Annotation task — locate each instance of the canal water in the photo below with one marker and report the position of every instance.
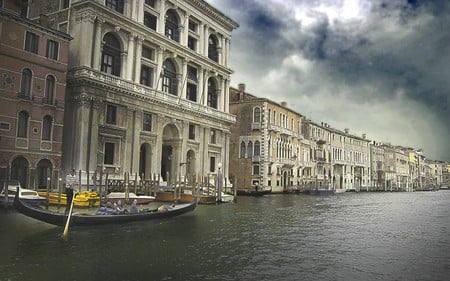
(352, 236)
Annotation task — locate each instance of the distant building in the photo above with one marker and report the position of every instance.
(33, 72)
(266, 148)
(147, 86)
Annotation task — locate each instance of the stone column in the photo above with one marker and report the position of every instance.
(205, 40)
(130, 57)
(159, 60)
(183, 81)
(86, 37)
(162, 17)
(226, 86)
(184, 38)
(97, 43)
(137, 68)
(201, 38)
(200, 85)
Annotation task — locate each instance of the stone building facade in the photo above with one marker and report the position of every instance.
(274, 147)
(147, 86)
(265, 143)
(33, 69)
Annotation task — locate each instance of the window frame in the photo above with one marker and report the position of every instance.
(31, 42)
(50, 84)
(111, 114)
(47, 128)
(52, 51)
(23, 120)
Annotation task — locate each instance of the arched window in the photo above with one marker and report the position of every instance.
(22, 126)
(170, 81)
(25, 84)
(172, 30)
(242, 152)
(257, 148)
(111, 57)
(250, 150)
(257, 115)
(213, 45)
(47, 128)
(49, 89)
(212, 93)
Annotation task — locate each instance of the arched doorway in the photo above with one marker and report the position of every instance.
(19, 170)
(169, 155)
(145, 162)
(43, 171)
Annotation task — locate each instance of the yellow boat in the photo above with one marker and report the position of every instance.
(82, 199)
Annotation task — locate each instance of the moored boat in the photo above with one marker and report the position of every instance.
(248, 192)
(81, 199)
(320, 191)
(114, 197)
(28, 196)
(84, 219)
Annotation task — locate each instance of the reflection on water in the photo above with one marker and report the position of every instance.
(365, 236)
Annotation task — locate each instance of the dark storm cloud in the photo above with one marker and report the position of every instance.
(386, 64)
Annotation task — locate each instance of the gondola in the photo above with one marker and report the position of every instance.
(83, 219)
(246, 192)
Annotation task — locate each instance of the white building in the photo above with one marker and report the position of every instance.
(147, 86)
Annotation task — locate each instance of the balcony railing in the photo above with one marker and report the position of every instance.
(145, 93)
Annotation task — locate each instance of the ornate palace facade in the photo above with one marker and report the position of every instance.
(147, 86)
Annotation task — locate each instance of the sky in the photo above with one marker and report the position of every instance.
(379, 67)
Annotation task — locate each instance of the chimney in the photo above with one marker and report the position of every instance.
(346, 130)
(241, 87)
(283, 103)
(43, 20)
(364, 136)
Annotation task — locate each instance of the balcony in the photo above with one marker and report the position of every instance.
(144, 93)
(256, 126)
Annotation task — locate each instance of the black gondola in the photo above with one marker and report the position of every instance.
(245, 192)
(82, 219)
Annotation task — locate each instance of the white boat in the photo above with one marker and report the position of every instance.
(226, 198)
(114, 197)
(28, 196)
(339, 190)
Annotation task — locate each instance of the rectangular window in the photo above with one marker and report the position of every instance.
(213, 136)
(212, 164)
(255, 169)
(109, 153)
(191, 132)
(31, 42)
(148, 53)
(192, 43)
(116, 5)
(111, 114)
(150, 20)
(192, 73)
(52, 49)
(65, 4)
(5, 126)
(147, 122)
(191, 92)
(146, 76)
(107, 63)
(193, 25)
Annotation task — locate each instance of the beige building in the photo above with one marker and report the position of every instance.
(147, 86)
(33, 69)
(266, 148)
